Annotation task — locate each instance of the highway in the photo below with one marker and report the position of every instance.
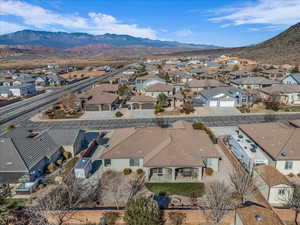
(22, 110)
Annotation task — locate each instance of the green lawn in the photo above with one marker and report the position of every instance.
(184, 189)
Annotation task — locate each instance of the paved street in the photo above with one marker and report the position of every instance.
(211, 121)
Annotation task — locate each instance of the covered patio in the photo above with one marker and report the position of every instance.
(175, 174)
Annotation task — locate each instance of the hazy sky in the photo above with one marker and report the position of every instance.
(218, 22)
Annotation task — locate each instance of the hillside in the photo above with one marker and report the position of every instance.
(283, 48)
(63, 40)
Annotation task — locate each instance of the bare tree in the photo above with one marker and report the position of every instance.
(243, 185)
(218, 201)
(112, 184)
(292, 201)
(68, 101)
(135, 185)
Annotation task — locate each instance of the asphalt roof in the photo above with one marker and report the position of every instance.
(228, 90)
(31, 149)
(64, 136)
(296, 77)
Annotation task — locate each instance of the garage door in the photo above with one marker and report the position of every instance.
(147, 106)
(226, 103)
(213, 103)
(92, 108)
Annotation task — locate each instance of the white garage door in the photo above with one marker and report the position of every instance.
(226, 103)
(213, 103)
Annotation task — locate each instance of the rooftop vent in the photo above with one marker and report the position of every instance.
(258, 218)
(283, 154)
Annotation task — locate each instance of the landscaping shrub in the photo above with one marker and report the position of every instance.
(188, 108)
(59, 162)
(158, 108)
(10, 127)
(51, 167)
(291, 175)
(127, 171)
(177, 218)
(110, 218)
(209, 171)
(67, 155)
(119, 114)
(198, 126)
(139, 171)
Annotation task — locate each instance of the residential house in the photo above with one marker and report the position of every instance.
(274, 144)
(293, 78)
(155, 90)
(172, 154)
(213, 65)
(285, 93)
(55, 80)
(273, 185)
(24, 156)
(141, 102)
(41, 81)
(142, 82)
(223, 97)
(198, 85)
(256, 215)
(129, 72)
(72, 140)
(96, 100)
(252, 82)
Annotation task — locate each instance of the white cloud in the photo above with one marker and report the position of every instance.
(95, 23)
(183, 33)
(266, 12)
(6, 27)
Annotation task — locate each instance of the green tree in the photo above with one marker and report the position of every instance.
(162, 99)
(235, 68)
(295, 70)
(142, 211)
(5, 210)
(123, 90)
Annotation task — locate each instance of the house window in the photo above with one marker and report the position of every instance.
(208, 162)
(107, 162)
(134, 162)
(281, 192)
(288, 165)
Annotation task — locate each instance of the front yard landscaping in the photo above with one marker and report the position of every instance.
(184, 189)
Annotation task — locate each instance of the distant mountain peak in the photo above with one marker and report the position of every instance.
(64, 40)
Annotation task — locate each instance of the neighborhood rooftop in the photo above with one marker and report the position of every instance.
(162, 146)
(279, 140)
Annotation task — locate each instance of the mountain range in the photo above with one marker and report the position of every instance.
(28, 44)
(63, 40)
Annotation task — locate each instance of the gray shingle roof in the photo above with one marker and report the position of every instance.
(10, 159)
(296, 77)
(64, 137)
(230, 91)
(31, 149)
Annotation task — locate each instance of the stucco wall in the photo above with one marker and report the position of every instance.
(274, 197)
(295, 169)
(121, 164)
(261, 185)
